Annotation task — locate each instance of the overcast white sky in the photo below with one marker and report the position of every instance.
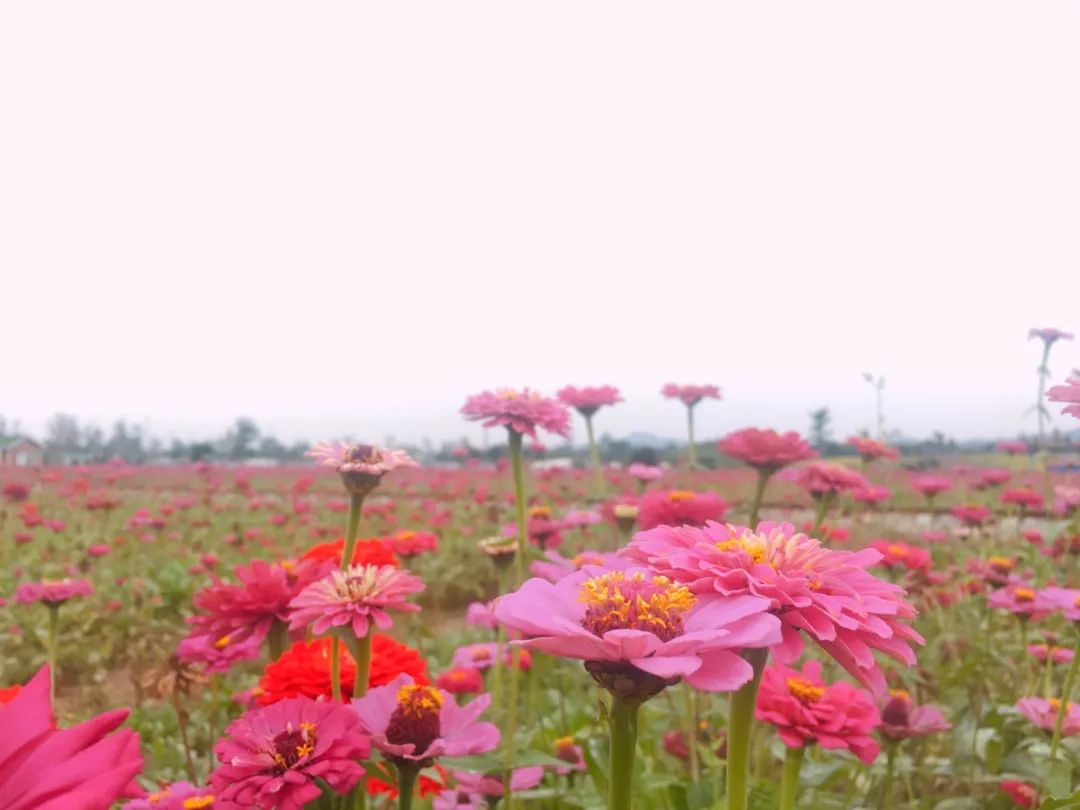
(345, 217)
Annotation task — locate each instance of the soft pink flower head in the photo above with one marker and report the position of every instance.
(679, 508)
(1049, 335)
(1012, 448)
(930, 485)
(1069, 393)
(482, 785)
(690, 395)
(902, 555)
(902, 720)
(481, 614)
(485, 655)
(828, 595)
(1064, 600)
(1023, 497)
(45, 768)
(971, 514)
(176, 796)
(991, 477)
(823, 477)
(589, 400)
(806, 710)
(1043, 713)
(272, 756)
(872, 495)
(645, 472)
(871, 449)
(556, 566)
(461, 681)
(670, 634)
(520, 411)
(219, 655)
(355, 598)
(414, 723)
(1066, 499)
(766, 450)
(1059, 655)
(361, 466)
(52, 591)
(1023, 600)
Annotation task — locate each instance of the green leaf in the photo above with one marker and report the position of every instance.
(593, 754)
(1051, 803)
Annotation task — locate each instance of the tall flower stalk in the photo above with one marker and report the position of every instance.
(1049, 337)
(690, 396)
(740, 725)
(587, 401)
(623, 727)
(767, 452)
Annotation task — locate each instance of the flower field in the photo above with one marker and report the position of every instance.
(365, 632)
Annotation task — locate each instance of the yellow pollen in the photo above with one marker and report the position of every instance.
(540, 512)
(1001, 562)
(480, 654)
(154, 798)
(564, 742)
(406, 535)
(898, 551)
(680, 495)
(625, 510)
(1024, 595)
(198, 802)
(804, 691)
(587, 559)
(221, 643)
(900, 693)
(1076, 601)
(618, 602)
(754, 549)
(418, 700)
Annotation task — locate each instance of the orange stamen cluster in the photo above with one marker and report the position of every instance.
(680, 495)
(1024, 595)
(750, 545)
(587, 558)
(615, 601)
(804, 691)
(198, 802)
(293, 744)
(416, 719)
(540, 512)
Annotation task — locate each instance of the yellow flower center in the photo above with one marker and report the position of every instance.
(615, 601)
(587, 558)
(293, 744)
(899, 693)
(406, 535)
(804, 691)
(221, 643)
(1002, 562)
(680, 495)
(751, 544)
(897, 551)
(416, 700)
(540, 512)
(481, 654)
(1024, 595)
(154, 798)
(198, 802)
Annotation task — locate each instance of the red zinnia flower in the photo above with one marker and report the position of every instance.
(304, 669)
(368, 552)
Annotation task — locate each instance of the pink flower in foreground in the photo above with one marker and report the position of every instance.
(356, 597)
(361, 466)
(52, 591)
(520, 411)
(820, 478)
(690, 395)
(249, 610)
(766, 450)
(871, 449)
(1043, 713)
(272, 756)
(589, 400)
(902, 720)
(827, 594)
(679, 508)
(668, 636)
(1049, 335)
(413, 723)
(931, 485)
(1069, 393)
(44, 768)
(805, 710)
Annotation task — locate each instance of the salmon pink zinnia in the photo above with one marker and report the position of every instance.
(361, 466)
(668, 636)
(588, 400)
(690, 395)
(356, 597)
(1069, 393)
(766, 450)
(827, 594)
(520, 411)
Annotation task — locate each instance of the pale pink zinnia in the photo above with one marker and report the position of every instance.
(931, 485)
(766, 450)
(1043, 713)
(669, 635)
(827, 594)
(821, 478)
(804, 709)
(1049, 335)
(361, 466)
(416, 724)
(520, 411)
(902, 720)
(357, 597)
(871, 495)
(52, 591)
(271, 757)
(1069, 393)
(679, 508)
(645, 472)
(588, 400)
(555, 566)
(1023, 600)
(690, 395)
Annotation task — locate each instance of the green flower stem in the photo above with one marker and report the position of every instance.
(278, 639)
(623, 723)
(500, 639)
(740, 723)
(789, 788)
(1066, 693)
(691, 734)
(356, 509)
(54, 638)
(690, 429)
(594, 452)
(759, 495)
(890, 770)
(335, 668)
(514, 444)
(1049, 675)
(215, 689)
(361, 652)
(406, 785)
(825, 502)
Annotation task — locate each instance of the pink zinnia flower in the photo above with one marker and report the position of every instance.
(1068, 393)
(1065, 600)
(679, 508)
(250, 609)
(1012, 448)
(45, 768)
(827, 594)
(821, 478)
(1059, 655)
(690, 395)
(902, 720)
(931, 485)
(481, 614)
(645, 472)
(1024, 498)
(870, 449)
(587, 401)
(273, 755)
(461, 681)
(766, 450)
(1023, 795)
(971, 514)
(872, 495)
(1043, 713)
(483, 656)
(479, 784)
(356, 597)
(520, 411)
(572, 755)
(52, 591)
(219, 655)
(668, 636)
(1023, 600)
(361, 466)
(181, 796)
(1049, 335)
(557, 566)
(413, 723)
(409, 544)
(805, 710)
(901, 555)
(1066, 499)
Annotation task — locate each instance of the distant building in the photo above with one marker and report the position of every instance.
(19, 451)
